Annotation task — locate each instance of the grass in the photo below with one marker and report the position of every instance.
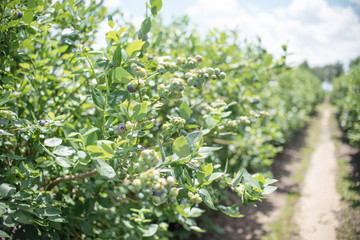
(285, 227)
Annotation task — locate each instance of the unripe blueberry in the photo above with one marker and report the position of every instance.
(121, 128)
(131, 88)
(133, 67)
(210, 71)
(213, 77)
(174, 192)
(188, 75)
(42, 123)
(222, 75)
(171, 181)
(198, 58)
(141, 72)
(136, 184)
(163, 226)
(190, 195)
(163, 181)
(143, 177)
(217, 71)
(129, 125)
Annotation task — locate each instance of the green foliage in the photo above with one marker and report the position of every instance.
(345, 95)
(126, 141)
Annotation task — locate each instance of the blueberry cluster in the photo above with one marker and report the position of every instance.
(194, 198)
(148, 159)
(198, 77)
(175, 125)
(161, 188)
(174, 90)
(8, 115)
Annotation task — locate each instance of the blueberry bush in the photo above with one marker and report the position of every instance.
(137, 140)
(345, 95)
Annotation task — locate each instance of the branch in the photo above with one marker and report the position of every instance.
(70, 178)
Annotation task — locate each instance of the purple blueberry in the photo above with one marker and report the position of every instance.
(198, 58)
(19, 14)
(158, 194)
(42, 123)
(121, 128)
(131, 88)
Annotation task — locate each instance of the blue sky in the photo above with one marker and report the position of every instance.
(319, 31)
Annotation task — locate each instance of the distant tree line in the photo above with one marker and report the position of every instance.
(330, 71)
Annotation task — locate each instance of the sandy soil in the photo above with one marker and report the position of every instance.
(319, 201)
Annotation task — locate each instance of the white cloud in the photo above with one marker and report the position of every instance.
(356, 2)
(314, 30)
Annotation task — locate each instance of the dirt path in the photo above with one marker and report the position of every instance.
(312, 207)
(319, 201)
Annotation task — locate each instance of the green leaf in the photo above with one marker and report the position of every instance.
(84, 158)
(23, 217)
(193, 212)
(104, 169)
(7, 189)
(111, 23)
(86, 227)
(91, 20)
(155, 6)
(63, 162)
(149, 230)
(146, 26)
(51, 115)
(193, 138)
(98, 98)
(28, 17)
(140, 111)
(208, 169)
(134, 47)
(207, 199)
(107, 149)
(4, 234)
(181, 147)
(162, 152)
(63, 150)
(197, 229)
(212, 177)
(90, 131)
(31, 4)
(4, 98)
(269, 189)
(188, 177)
(185, 111)
(95, 53)
(250, 179)
(232, 211)
(117, 56)
(52, 211)
(117, 97)
(121, 75)
(52, 142)
(238, 177)
(211, 122)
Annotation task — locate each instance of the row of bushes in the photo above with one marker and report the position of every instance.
(346, 96)
(139, 139)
